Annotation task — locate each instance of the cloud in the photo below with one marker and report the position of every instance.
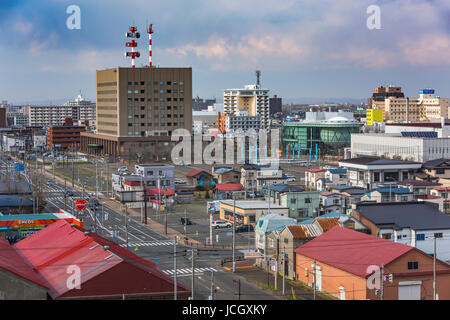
(427, 50)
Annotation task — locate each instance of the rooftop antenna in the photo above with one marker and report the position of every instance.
(258, 76)
(133, 44)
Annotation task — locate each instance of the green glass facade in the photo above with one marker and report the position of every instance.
(328, 136)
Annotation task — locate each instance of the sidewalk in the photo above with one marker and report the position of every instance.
(247, 271)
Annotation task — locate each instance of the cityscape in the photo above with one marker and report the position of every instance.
(218, 168)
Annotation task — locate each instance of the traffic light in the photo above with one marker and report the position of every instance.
(391, 278)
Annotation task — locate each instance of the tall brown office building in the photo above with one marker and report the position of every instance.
(137, 111)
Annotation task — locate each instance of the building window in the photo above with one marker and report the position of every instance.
(293, 201)
(438, 235)
(181, 83)
(420, 236)
(413, 265)
(387, 236)
(307, 200)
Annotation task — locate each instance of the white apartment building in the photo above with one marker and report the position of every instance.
(252, 98)
(242, 121)
(79, 109)
(395, 146)
(19, 119)
(86, 110)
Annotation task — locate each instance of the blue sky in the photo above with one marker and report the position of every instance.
(304, 48)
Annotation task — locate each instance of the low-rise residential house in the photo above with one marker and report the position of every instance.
(107, 270)
(352, 194)
(439, 168)
(331, 202)
(442, 192)
(337, 218)
(249, 211)
(226, 174)
(418, 187)
(323, 184)
(342, 260)
(374, 172)
(302, 204)
(265, 225)
(337, 176)
(389, 195)
(311, 177)
(412, 223)
(200, 178)
(228, 191)
(290, 238)
(146, 176)
(257, 177)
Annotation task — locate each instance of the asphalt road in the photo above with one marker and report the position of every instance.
(152, 246)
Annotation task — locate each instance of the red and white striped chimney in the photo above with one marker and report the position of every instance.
(150, 31)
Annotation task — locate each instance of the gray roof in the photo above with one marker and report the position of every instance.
(282, 187)
(415, 215)
(376, 161)
(14, 201)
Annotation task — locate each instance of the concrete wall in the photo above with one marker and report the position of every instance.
(13, 287)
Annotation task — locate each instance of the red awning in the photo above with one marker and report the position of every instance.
(229, 187)
(162, 191)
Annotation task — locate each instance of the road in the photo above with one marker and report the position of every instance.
(155, 247)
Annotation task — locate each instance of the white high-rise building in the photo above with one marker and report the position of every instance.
(252, 98)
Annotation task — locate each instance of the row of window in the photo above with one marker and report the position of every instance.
(143, 116)
(155, 99)
(156, 108)
(155, 83)
(162, 124)
(162, 91)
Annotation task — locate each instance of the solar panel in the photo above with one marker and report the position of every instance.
(419, 134)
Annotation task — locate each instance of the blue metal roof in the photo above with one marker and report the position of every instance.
(272, 222)
(394, 190)
(282, 187)
(336, 171)
(28, 216)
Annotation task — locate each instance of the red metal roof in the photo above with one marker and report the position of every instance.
(104, 272)
(441, 188)
(229, 187)
(162, 191)
(12, 261)
(352, 251)
(132, 183)
(195, 172)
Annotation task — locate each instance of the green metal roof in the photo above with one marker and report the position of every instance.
(28, 216)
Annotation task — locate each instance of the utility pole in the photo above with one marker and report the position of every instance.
(175, 268)
(212, 285)
(234, 235)
(96, 178)
(434, 270)
(314, 278)
(65, 194)
(276, 267)
(73, 171)
(193, 274)
(382, 281)
(284, 267)
(126, 224)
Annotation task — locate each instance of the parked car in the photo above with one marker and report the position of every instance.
(179, 181)
(49, 181)
(251, 194)
(221, 224)
(122, 169)
(291, 180)
(185, 221)
(245, 228)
